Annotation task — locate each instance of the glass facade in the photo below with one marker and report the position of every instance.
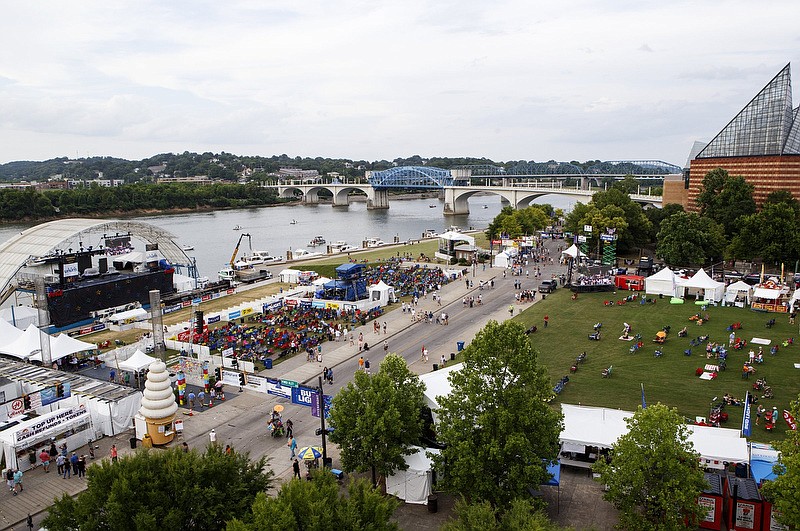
(766, 126)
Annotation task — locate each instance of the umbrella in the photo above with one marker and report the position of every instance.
(661, 333)
(309, 453)
(278, 408)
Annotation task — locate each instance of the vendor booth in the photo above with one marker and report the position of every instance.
(505, 259)
(68, 425)
(138, 362)
(629, 282)
(702, 286)
(738, 294)
(382, 293)
(448, 242)
(718, 446)
(771, 296)
(414, 484)
(661, 283)
(289, 276)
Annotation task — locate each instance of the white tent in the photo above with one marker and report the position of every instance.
(717, 446)
(436, 385)
(414, 484)
(139, 361)
(8, 333)
(289, 276)
(63, 345)
(319, 282)
(25, 345)
(712, 290)
(572, 252)
(129, 316)
(453, 236)
(766, 293)
(182, 283)
(660, 283)
(20, 316)
(737, 289)
(504, 258)
(591, 426)
(382, 293)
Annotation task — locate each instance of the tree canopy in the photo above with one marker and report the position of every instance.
(163, 490)
(521, 515)
(686, 238)
(377, 419)
(771, 233)
(725, 198)
(511, 223)
(654, 475)
(784, 491)
(496, 424)
(318, 505)
(611, 209)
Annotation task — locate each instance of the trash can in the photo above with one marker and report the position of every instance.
(435, 366)
(459, 345)
(433, 503)
(268, 363)
(133, 443)
(452, 356)
(327, 462)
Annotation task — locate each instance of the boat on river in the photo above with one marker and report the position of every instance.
(317, 240)
(374, 242)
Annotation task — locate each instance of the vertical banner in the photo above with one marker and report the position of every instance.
(746, 420)
(644, 404)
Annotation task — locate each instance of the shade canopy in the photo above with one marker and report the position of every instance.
(138, 362)
(660, 283)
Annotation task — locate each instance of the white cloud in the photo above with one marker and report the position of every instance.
(506, 80)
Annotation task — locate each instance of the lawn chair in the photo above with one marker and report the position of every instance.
(606, 373)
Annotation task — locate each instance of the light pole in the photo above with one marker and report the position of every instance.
(323, 432)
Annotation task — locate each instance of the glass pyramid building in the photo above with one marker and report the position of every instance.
(766, 126)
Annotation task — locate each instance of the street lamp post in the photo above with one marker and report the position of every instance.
(323, 432)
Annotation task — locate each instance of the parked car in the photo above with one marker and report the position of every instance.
(548, 286)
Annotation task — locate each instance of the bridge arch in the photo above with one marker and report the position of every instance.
(411, 177)
(46, 238)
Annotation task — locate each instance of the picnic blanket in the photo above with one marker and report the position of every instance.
(707, 376)
(629, 338)
(760, 341)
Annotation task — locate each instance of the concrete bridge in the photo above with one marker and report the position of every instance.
(456, 198)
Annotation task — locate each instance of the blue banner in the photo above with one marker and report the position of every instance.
(644, 404)
(213, 319)
(746, 420)
(234, 315)
(327, 399)
(302, 395)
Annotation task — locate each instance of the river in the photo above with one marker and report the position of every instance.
(213, 236)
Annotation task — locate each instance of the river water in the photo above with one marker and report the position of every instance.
(213, 236)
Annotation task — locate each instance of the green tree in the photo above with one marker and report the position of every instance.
(654, 475)
(770, 234)
(163, 490)
(496, 424)
(725, 199)
(657, 215)
(686, 238)
(784, 491)
(317, 505)
(377, 419)
(628, 184)
(522, 515)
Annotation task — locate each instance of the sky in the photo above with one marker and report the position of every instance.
(373, 79)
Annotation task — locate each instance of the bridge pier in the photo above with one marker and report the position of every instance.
(310, 198)
(340, 197)
(378, 199)
(454, 205)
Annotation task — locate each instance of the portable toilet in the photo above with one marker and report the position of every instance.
(744, 504)
(711, 500)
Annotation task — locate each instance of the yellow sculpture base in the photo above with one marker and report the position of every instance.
(161, 431)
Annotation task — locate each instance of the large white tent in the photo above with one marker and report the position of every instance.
(139, 361)
(63, 345)
(572, 252)
(20, 316)
(25, 345)
(8, 333)
(737, 289)
(601, 427)
(661, 283)
(414, 484)
(436, 385)
(505, 259)
(712, 290)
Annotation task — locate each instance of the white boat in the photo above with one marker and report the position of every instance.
(316, 240)
(335, 246)
(265, 257)
(188, 247)
(485, 206)
(237, 227)
(348, 248)
(293, 222)
(374, 242)
(304, 253)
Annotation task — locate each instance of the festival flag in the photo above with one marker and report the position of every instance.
(746, 420)
(644, 404)
(789, 420)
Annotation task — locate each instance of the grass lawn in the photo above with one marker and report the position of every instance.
(671, 378)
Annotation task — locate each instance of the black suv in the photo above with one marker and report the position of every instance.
(548, 286)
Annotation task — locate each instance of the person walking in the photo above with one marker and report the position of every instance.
(185, 447)
(385, 346)
(361, 363)
(73, 461)
(289, 428)
(60, 464)
(66, 467)
(292, 444)
(384, 328)
(212, 436)
(45, 458)
(81, 466)
(10, 479)
(18, 481)
(113, 453)
(296, 468)
(546, 320)
(444, 360)
(366, 366)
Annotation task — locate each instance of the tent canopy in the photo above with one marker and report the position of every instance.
(713, 290)
(733, 291)
(25, 345)
(413, 485)
(765, 293)
(436, 385)
(573, 252)
(660, 283)
(139, 361)
(20, 316)
(8, 333)
(63, 345)
(136, 314)
(593, 426)
(454, 236)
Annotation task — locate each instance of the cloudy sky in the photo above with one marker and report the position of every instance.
(373, 79)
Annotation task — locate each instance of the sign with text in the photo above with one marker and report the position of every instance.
(230, 377)
(587, 228)
(289, 383)
(274, 387)
(327, 399)
(42, 425)
(256, 383)
(302, 396)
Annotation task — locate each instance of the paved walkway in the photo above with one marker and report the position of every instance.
(41, 489)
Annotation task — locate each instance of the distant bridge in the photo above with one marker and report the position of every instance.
(456, 197)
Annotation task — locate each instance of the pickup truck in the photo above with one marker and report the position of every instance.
(253, 275)
(548, 286)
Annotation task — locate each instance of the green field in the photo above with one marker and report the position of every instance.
(671, 378)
